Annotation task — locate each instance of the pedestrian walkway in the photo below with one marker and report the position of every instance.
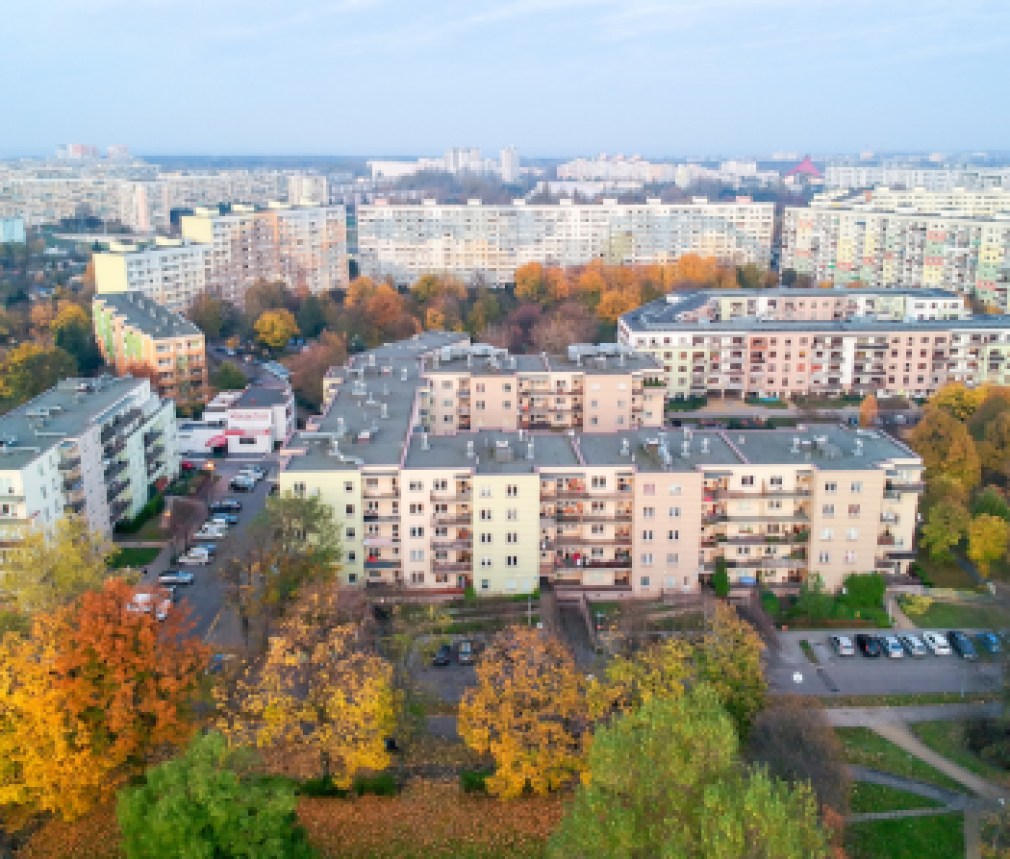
(869, 717)
(898, 617)
(949, 798)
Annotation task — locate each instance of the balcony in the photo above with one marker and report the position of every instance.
(74, 506)
(72, 484)
(592, 563)
(372, 563)
(371, 516)
(115, 489)
(115, 447)
(593, 539)
(156, 451)
(114, 468)
(451, 495)
(619, 516)
(70, 463)
(451, 518)
(452, 566)
(381, 492)
(797, 492)
(896, 486)
(457, 543)
(118, 509)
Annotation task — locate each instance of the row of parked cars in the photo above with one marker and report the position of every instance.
(899, 645)
(223, 515)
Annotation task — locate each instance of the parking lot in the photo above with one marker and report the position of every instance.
(789, 669)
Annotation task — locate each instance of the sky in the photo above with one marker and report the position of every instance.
(660, 78)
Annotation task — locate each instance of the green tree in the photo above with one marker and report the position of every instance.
(228, 377)
(729, 660)
(945, 527)
(311, 316)
(994, 448)
(865, 590)
(29, 369)
(987, 540)
(74, 334)
(812, 601)
(990, 500)
(720, 578)
(211, 803)
(666, 781)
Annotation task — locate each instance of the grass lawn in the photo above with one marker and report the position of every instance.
(901, 700)
(944, 574)
(867, 797)
(947, 738)
(131, 556)
(868, 749)
(938, 837)
(948, 615)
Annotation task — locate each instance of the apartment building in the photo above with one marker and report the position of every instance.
(91, 447)
(169, 272)
(596, 388)
(937, 178)
(486, 243)
(135, 334)
(632, 510)
(303, 246)
(957, 240)
(12, 231)
(788, 342)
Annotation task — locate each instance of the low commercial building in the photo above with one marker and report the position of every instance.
(255, 420)
(630, 509)
(137, 335)
(823, 342)
(91, 447)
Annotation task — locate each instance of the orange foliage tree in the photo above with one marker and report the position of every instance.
(92, 695)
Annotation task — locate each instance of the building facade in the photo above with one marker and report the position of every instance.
(169, 272)
(135, 334)
(487, 243)
(630, 509)
(253, 421)
(90, 447)
(800, 342)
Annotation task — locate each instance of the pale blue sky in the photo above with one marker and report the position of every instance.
(554, 77)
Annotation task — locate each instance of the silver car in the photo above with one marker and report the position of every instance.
(842, 645)
(913, 644)
(892, 647)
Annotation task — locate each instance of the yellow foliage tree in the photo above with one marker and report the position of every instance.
(660, 670)
(274, 328)
(868, 411)
(317, 697)
(70, 315)
(613, 303)
(527, 712)
(958, 400)
(946, 448)
(359, 291)
(988, 537)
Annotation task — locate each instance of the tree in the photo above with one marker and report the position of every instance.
(988, 537)
(527, 712)
(266, 295)
(958, 400)
(943, 489)
(868, 411)
(318, 696)
(228, 377)
(46, 571)
(994, 448)
(946, 525)
(309, 367)
(311, 316)
(568, 323)
(531, 284)
(720, 578)
(90, 697)
(865, 590)
(29, 369)
(666, 780)
(660, 670)
(990, 500)
(946, 448)
(729, 660)
(274, 328)
(74, 334)
(211, 802)
(208, 314)
(430, 287)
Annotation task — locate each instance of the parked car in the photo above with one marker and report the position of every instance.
(242, 484)
(257, 471)
(987, 642)
(176, 577)
(225, 519)
(892, 647)
(194, 557)
(226, 505)
(209, 532)
(464, 654)
(961, 645)
(937, 643)
(252, 474)
(209, 548)
(842, 645)
(868, 644)
(443, 656)
(913, 644)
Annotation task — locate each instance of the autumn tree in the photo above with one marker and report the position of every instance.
(990, 500)
(946, 448)
(211, 802)
(88, 699)
(946, 525)
(666, 780)
(662, 669)
(309, 367)
(531, 284)
(958, 400)
(209, 314)
(994, 448)
(318, 697)
(988, 537)
(29, 369)
(264, 295)
(868, 411)
(429, 287)
(227, 376)
(73, 332)
(274, 328)
(527, 712)
(570, 322)
(46, 571)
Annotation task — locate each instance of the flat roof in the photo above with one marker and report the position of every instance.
(494, 452)
(260, 396)
(148, 316)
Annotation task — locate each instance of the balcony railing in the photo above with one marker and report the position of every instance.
(451, 518)
(592, 563)
(451, 495)
(114, 468)
(378, 493)
(381, 564)
(452, 566)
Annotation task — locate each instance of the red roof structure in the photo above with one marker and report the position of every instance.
(805, 168)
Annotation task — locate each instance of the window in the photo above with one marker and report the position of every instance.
(857, 486)
(417, 554)
(596, 529)
(599, 483)
(351, 577)
(853, 511)
(485, 492)
(485, 515)
(512, 514)
(417, 531)
(512, 490)
(828, 510)
(831, 486)
(507, 387)
(485, 561)
(672, 558)
(485, 584)
(350, 534)
(850, 557)
(440, 485)
(646, 559)
(416, 486)
(299, 489)
(775, 505)
(648, 512)
(852, 535)
(675, 489)
(649, 488)
(511, 560)
(747, 480)
(643, 581)
(673, 535)
(827, 534)
(824, 557)
(775, 482)
(348, 486)
(512, 537)
(673, 512)
(485, 537)
(647, 534)
(416, 509)
(480, 388)
(417, 578)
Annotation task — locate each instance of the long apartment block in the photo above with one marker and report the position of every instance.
(625, 508)
(134, 333)
(303, 246)
(486, 243)
(958, 240)
(787, 342)
(91, 447)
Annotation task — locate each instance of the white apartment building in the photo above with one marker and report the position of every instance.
(853, 176)
(477, 242)
(170, 272)
(624, 510)
(91, 447)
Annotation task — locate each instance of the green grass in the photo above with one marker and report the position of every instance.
(133, 556)
(902, 700)
(689, 404)
(869, 797)
(947, 738)
(944, 574)
(940, 836)
(868, 749)
(948, 615)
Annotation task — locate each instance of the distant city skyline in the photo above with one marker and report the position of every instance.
(555, 78)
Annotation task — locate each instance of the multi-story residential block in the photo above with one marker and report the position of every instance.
(788, 342)
(477, 242)
(169, 272)
(92, 447)
(853, 176)
(12, 231)
(630, 509)
(304, 246)
(137, 335)
(958, 240)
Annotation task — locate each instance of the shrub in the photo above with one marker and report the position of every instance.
(865, 591)
(914, 604)
(720, 579)
(152, 508)
(770, 603)
(989, 739)
(473, 781)
(321, 787)
(469, 594)
(382, 784)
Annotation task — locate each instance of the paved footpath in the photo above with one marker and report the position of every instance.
(870, 717)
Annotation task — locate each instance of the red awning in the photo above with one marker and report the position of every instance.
(217, 441)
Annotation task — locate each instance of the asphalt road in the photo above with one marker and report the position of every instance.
(858, 675)
(205, 596)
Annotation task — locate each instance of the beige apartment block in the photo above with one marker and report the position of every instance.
(824, 342)
(633, 510)
(138, 336)
(167, 271)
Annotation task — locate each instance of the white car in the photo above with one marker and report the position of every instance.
(842, 645)
(937, 643)
(892, 647)
(210, 531)
(194, 557)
